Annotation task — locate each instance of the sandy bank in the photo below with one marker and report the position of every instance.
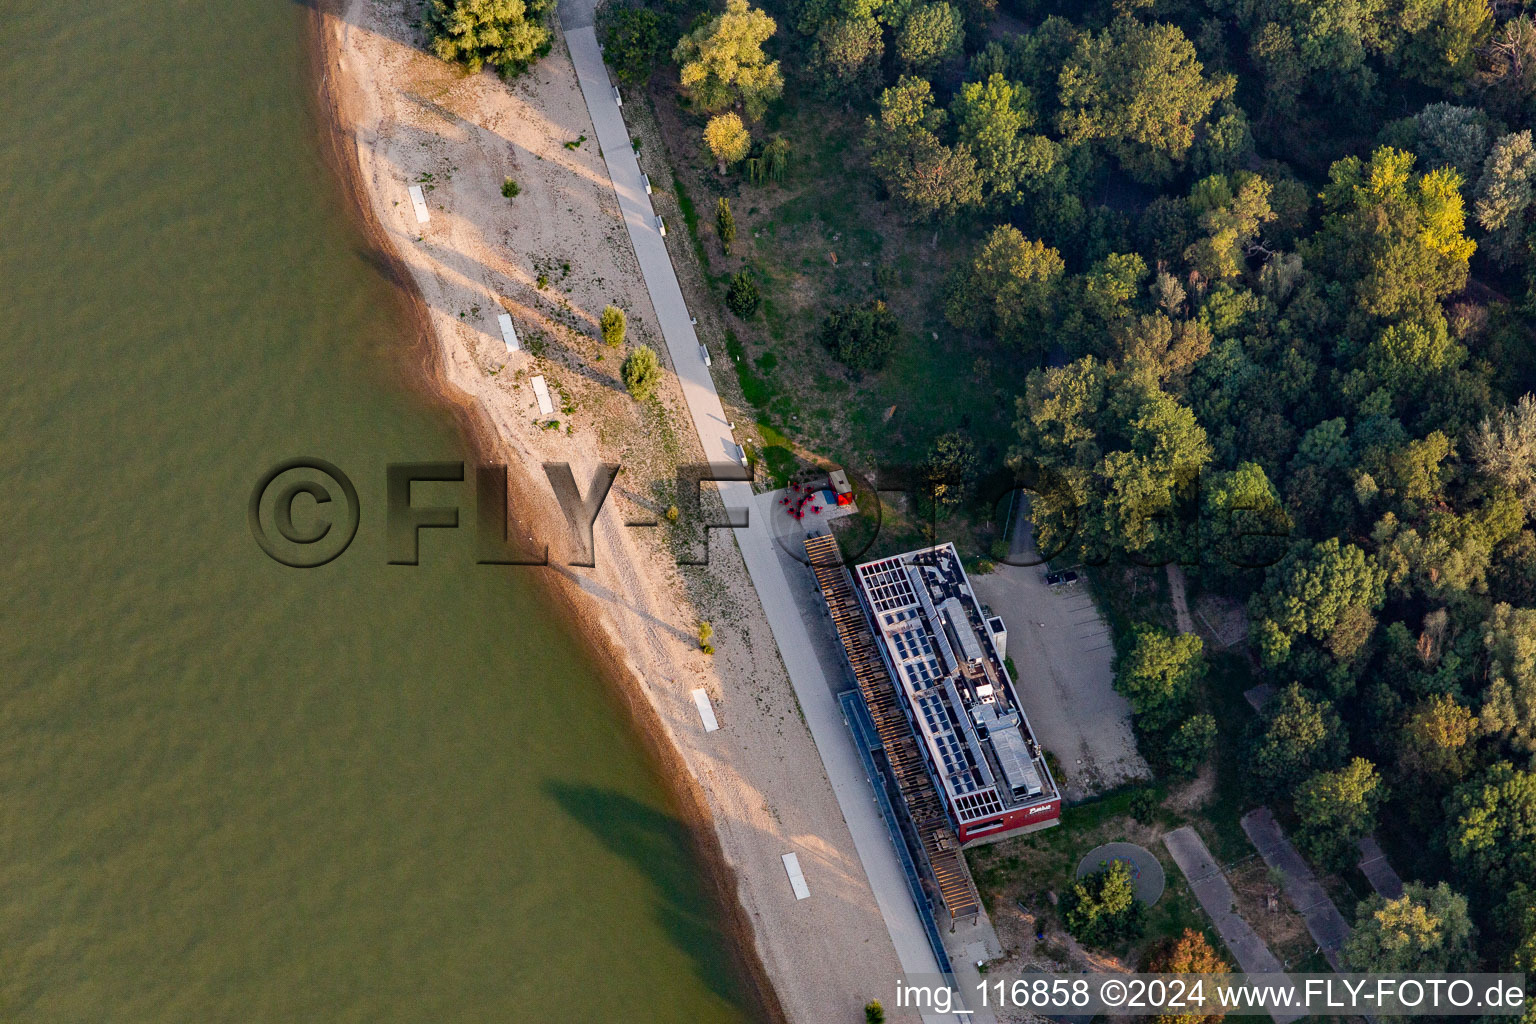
(552, 258)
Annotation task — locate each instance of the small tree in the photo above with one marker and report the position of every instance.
(1102, 908)
(1191, 743)
(705, 632)
(725, 223)
(728, 139)
(874, 1013)
(951, 470)
(613, 324)
(510, 188)
(776, 157)
(1190, 954)
(642, 373)
(742, 296)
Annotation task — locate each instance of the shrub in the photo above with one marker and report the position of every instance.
(742, 296)
(510, 188)
(613, 324)
(632, 42)
(642, 373)
(861, 337)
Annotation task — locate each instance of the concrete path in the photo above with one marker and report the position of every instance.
(1258, 696)
(1327, 925)
(1178, 593)
(1378, 871)
(822, 715)
(1215, 895)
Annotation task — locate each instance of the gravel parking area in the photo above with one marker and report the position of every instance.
(1061, 647)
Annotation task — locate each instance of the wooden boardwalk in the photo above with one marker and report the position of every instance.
(955, 889)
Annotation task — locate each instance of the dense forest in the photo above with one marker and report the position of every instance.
(1272, 262)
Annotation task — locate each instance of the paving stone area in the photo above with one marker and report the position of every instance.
(1327, 925)
(1215, 895)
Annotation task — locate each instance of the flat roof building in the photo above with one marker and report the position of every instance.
(944, 659)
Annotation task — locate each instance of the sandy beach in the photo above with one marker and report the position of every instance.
(553, 257)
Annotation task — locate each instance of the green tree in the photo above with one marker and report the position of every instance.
(508, 35)
(1426, 930)
(742, 296)
(1101, 908)
(931, 34)
(1436, 741)
(861, 337)
(992, 118)
(725, 223)
(642, 372)
(1298, 736)
(1504, 195)
(1509, 700)
(728, 140)
(1140, 89)
(847, 56)
(1336, 809)
(776, 157)
(1307, 593)
(613, 324)
(1230, 212)
(1191, 744)
(1395, 237)
(722, 61)
(1504, 449)
(1492, 829)
(1008, 290)
(1157, 672)
(874, 1013)
(1441, 46)
(1243, 521)
(950, 472)
(933, 180)
(632, 42)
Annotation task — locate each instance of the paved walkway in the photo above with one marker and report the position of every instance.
(1327, 925)
(1215, 895)
(1378, 871)
(822, 715)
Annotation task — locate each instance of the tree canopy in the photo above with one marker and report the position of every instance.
(722, 61)
(508, 35)
(1426, 930)
(1141, 90)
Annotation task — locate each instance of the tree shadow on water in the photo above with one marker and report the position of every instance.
(662, 847)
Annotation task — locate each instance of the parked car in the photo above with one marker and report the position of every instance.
(1060, 579)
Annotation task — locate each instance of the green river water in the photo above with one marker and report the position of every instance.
(229, 790)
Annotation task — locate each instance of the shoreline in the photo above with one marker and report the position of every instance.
(685, 793)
